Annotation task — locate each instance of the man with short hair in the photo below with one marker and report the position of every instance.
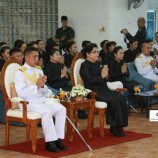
(145, 64)
(64, 33)
(30, 85)
(16, 52)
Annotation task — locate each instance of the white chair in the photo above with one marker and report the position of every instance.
(76, 79)
(12, 113)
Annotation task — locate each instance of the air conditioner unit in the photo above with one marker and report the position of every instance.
(135, 3)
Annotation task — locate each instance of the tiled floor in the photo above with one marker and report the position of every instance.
(143, 148)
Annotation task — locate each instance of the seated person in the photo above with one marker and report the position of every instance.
(2, 44)
(131, 53)
(20, 44)
(70, 54)
(4, 54)
(103, 51)
(30, 85)
(84, 44)
(145, 64)
(95, 76)
(109, 55)
(17, 54)
(56, 72)
(50, 44)
(118, 70)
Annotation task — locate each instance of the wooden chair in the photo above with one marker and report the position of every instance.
(76, 79)
(30, 119)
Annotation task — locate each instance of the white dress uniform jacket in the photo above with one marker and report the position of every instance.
(26, 88)
(144, 68)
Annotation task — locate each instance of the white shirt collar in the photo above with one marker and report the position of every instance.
(28, 66)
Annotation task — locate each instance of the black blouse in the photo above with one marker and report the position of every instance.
(129, 56)
(91, 75)
(53, 72)
(115, 71)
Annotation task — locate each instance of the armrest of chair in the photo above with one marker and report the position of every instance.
(121, 90)
(24, 104)
(92, 95)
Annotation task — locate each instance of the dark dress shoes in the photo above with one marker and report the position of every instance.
(117, 131)
(51, 146)
(59, 145)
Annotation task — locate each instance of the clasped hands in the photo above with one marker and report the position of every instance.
(124, 68)
(41, 81)
(64, 72)
(105, 72)
(153, 63)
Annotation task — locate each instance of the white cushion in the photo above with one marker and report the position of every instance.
(77, 69)
(19, 114)
(100, 104)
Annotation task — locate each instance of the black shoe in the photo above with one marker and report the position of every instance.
(116, 131)
(59, 145)
(51, 146)
(122, 132)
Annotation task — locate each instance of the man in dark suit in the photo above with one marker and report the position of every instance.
(141, 34)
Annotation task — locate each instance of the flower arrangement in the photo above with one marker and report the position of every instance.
(79, 91)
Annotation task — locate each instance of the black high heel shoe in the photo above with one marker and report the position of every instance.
(115, 131)
(122, 132)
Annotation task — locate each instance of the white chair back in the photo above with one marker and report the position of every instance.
(77, 69)
(9, 76)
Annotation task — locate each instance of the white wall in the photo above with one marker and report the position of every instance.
(87, 16)
(121, 17)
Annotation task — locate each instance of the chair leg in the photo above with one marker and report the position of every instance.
(101, 118)
(7, 132)
(76, 117)
(34, 136)
(27, 133)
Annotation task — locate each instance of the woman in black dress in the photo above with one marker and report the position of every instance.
(56, 72)
(95, 76)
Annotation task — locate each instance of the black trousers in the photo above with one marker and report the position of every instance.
(117, 110)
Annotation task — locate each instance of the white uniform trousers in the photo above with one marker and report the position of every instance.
(49, 107)
(152, 77)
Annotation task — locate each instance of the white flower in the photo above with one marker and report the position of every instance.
(79, 91)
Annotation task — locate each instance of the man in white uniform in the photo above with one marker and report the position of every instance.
(30, 85)
(145, 64)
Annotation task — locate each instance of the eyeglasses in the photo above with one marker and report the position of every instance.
(95, 52)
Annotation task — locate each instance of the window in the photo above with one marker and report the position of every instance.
(27, 20)
(151, 24)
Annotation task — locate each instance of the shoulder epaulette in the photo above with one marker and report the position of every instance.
(38, 67)
(23, 69)
(140, 56)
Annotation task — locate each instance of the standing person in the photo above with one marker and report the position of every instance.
(64, 33)
(131, 53)
(141, 34)
(94, 76)
(30, 85)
